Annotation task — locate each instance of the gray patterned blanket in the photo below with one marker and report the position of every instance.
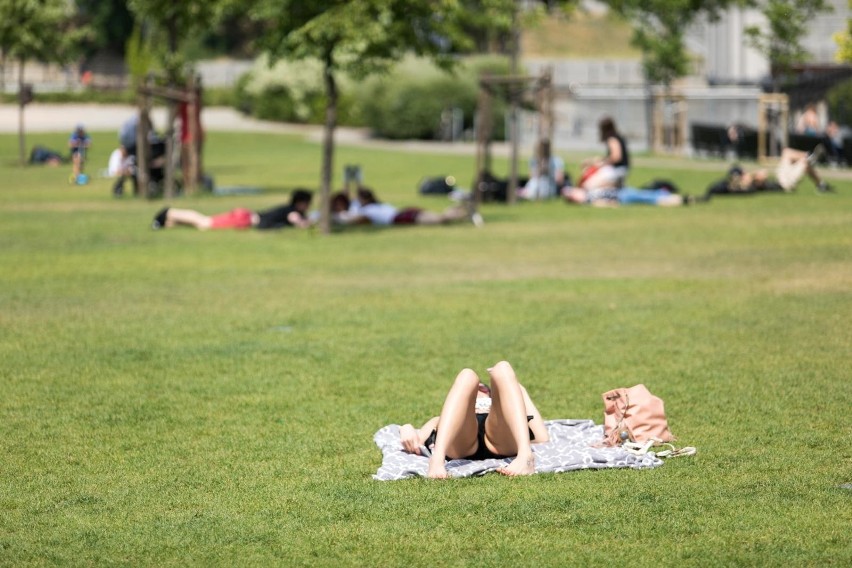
(571, 447)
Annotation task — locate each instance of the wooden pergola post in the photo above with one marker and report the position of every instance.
(546, 108)
(771, 102)
(169, 179)
(193, 174)
(544, 96)
(668, 136)
(143, 127)
(191, 97)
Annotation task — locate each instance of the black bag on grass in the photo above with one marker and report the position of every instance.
(437, 185)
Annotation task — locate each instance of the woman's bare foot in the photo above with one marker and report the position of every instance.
(519, 466)
(437, 469)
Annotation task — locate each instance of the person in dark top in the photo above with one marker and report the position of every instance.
(294, 214)
(79, 143)
(611, 170)
(792, 167)
(480, 422)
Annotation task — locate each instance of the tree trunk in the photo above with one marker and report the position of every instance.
(2, 71)
(514, 130)
(328, 145)
(22, 143)
(169, 181)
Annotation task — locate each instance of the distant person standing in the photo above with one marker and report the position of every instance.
(809, 123)
(834, 142)
(79, 143)
(127, 146)
(127, 135)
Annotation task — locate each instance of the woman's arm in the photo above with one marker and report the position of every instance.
(297, 220)
(614, 150)
(412, 438)
(536, 424)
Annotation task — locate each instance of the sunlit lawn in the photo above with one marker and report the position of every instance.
(180, 397)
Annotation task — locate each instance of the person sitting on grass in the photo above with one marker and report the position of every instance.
(367, 209)
(479, 422)
(293, 214)
(79, 143)
(609, 171)
(792, 167)
(544, 184)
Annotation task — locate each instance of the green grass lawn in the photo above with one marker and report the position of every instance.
(181, 397)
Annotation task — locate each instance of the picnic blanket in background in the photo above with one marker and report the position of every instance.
(571, 447)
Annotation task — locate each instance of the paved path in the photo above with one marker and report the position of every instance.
(109, 117)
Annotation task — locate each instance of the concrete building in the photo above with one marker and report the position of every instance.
(723, 89)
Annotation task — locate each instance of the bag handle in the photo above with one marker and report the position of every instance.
(615, 436)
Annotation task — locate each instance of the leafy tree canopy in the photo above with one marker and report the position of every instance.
(171, 23)
(40, 30)
(787, 23)
(658, 30)
(844, 41)
(110, 22)
(361, 35)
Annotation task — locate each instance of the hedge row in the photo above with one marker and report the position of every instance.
(408, 102)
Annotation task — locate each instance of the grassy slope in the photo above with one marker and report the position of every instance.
(582, 36)
(209, 398)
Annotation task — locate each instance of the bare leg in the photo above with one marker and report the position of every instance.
(604, 178)
(189, 217)
(797, 161)
(450, 215)
(429, 218)
(454, 214)
(673, 200)
(457, 425)
(506, 430)
(76, 164)
(812, 173)
(537, 423)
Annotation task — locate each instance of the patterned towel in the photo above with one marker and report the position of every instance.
(571, 447)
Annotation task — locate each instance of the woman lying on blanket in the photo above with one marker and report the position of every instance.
(478, 422)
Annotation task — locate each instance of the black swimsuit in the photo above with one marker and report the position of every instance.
(482, 452)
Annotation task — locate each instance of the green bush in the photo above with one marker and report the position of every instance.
(402, 109)
(220, 96)
(292, 92)
(409, 101)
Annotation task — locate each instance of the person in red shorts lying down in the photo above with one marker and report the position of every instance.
(294, 214)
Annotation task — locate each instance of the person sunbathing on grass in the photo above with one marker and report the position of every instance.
(793, 166)
(292, 215)
(478, 422)
(366, 209)
(625, 196)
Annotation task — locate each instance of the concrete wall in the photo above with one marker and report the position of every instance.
(577, 115)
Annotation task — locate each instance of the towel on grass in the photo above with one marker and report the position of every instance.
(571, 447)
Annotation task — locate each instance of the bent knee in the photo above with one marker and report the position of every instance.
(501, 369)
(467, 375)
